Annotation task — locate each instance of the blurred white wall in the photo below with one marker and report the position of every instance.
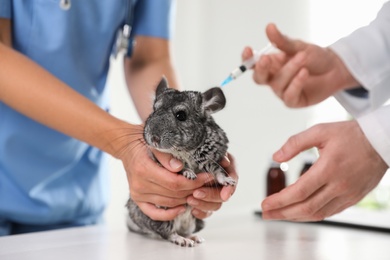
(209, 38)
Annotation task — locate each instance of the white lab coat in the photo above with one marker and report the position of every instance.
(366, 53)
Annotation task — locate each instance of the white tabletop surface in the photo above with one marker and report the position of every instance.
(238, 237)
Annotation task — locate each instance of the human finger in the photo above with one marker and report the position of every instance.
(286, 74)
(201, 214)
(228, 191)
(174, 182)
(294, 96)
(161, 200)
(210, 194)
(334, 206)
(282, 42)
(213, 194)
(297, 192)
(261, 68)
(297, 143)
(261, 74)
(168, 161)
(247, 53)
(225, 161)
(203, 204)
(337, 205)
(309, 208)
(179, 183)
(156, 185)
(161, 214)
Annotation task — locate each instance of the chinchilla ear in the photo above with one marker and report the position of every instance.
(162, 86)
(213, 100)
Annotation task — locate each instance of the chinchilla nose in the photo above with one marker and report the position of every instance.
(155, 140)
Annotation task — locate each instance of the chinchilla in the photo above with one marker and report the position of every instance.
(181, 124)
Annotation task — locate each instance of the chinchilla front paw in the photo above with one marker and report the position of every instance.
(225, 181)
(189, 174)
(185, 242)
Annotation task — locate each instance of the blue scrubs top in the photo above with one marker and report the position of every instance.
(47, 178)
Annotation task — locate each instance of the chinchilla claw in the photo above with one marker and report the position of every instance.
(229, 181)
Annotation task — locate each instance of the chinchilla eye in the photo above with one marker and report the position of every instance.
(181, 115)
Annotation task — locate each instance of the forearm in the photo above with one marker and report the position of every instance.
(5, 31)
(142, 84)
(149, 62)
(34, 92)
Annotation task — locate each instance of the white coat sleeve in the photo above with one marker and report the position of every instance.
(366, 54)
(376, 127)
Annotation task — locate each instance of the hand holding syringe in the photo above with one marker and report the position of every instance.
(247, 64)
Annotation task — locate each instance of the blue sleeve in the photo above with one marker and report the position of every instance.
(5, 8)
(154, 18)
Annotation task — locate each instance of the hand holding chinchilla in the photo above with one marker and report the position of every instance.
(181, 125)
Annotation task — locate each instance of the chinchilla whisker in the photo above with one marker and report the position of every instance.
(128, 146)
(223, 169)
(126, 132)
(213, 182)
(138, 131)
(129, 138)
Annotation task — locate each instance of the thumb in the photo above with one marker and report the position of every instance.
(168, 161)
(161, 214)
(282, 42)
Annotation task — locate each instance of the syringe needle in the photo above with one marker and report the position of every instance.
(247, 64)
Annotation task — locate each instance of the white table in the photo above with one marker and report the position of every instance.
(240, 237)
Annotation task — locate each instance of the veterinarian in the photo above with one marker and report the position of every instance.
(353, 155)
(54, 120)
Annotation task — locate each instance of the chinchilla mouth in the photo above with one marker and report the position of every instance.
(161, 144)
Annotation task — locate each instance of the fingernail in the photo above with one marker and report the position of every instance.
(278, 154)
(225, 196)
(193, 202)
(175, 163)
(199, 194)
(182, 210)
(227, 158)
(195, 212)
(247, 51)
(265, 206)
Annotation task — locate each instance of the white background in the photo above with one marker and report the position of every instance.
(209, 38)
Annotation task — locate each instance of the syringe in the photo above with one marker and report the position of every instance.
(247, 64)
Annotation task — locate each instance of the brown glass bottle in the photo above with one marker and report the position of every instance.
(276, 179)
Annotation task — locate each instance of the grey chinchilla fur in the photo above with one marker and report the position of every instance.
(181, 124)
